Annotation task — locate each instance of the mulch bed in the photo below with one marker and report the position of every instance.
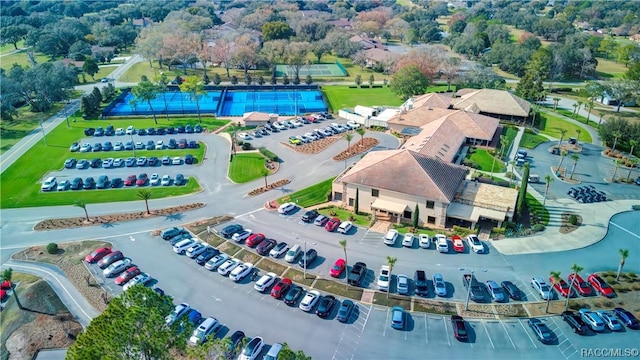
(566, 226)
(68, 223)
(271, 186)
(314, 147)
(358, 148)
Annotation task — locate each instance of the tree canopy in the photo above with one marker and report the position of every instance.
(409, 81)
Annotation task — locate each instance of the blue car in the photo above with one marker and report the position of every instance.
(397, 317)
(627, 318)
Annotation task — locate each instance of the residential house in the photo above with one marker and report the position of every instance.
(368, 43)
(342, 23)
(377, 56)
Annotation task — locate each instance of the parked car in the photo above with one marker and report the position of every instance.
(512, 290)
(241, 271)
(130, 180)
(97, 254)
(424, 241)
(168, 233)
(581, 286)
(421, 283)
(601, 286)
(541, 287)
(592, 319)
(402, 284)
(142, 179)
(178, 312)
(227, 267)
(458, 245)
(127, 275)
(575, 322)
(95, 163)
(337, 268)
(439, 285)
(49, 184)
(612, 323)
(384, 278)
(216, 261)
(110, 259)
(561, 287)
(397, 317)
(293, 253)
(103, 182)
(189, 159)
(130, 162)
(627, 318)
(293, 294)
(265, 282)
(116, 268)
(75, 147)
(76, 183)
(310, 216)
(308, 258)
(407, 240)
(229, 230)
(309, 301)
(252, 349)
(541, 330)
(320, 220)
(459, 328)
(286, 208)
(325, 305)
(242, 235)
(278, 250)
(345, 227)
(70, 163)
(232, 345)
(345, 310)
(166, 180)
(82, 164)
(180, 180)
(88, 183)
(196, 249)
(281, 288)
(182, 246)
(441, 243)
(332, 224)
(265, 246)
(207, 328)
(254, 239)
(206, 255)
(63, 185)
(390, 237)
(496, 292)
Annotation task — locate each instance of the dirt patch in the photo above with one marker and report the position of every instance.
(390, 300)
(437, 307)
(561, 173)
(358, 148)
(566, 226)
(201, 226)
(68, 223)
(338, 288)
(271, 186)
(314, 147)
(298, 277)
(270, 266)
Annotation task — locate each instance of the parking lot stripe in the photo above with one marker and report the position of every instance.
(384, 330)
(625, 230)
(529, 336)
(249, 213)
(426, 330)
(488, 336)
(446, 332)
(507, 332)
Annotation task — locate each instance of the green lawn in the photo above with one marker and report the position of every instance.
(569, 113)
(551, 125)
(20, 183)
(102, 73)
(12, 131)
(312, 195)
(610, 69)
(510, 132)
(341, 96)
(7, 48)
(535, 206)
(246, 167)
(484, 160)
(404, 228)
(530, 140)
(20, 58)
(344, 215)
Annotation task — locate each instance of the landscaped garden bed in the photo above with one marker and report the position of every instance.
(358, 148)
(271, 186)
(314, 147)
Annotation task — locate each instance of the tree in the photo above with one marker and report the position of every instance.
(39, 85)
(162, 83)
(245, 54)
(450, 69)
(616, 134)
(556, 100)
(83, 205)
(343, 244)
(361, 131)
(547, 181)
(358, 80)
(265, 173)
(287, 354)
(632, 144)
(356, 202)
(408, 81)
(416, 217)
(193, 85)
(563, 132)
(348, 137)
(522, 192)
(90, 67)
(372, 79)
(633, 163)
(555, 278)
(575, 269)
(623, 90)
(146, 196)
(7, 275)
(427, 60)
(131, 327)
(390, 261)
(296, 56)
(276, 30)
(563, 153)
(624, 254)
(146, 91)
(575, 158)
(223, 52)
(319, 49)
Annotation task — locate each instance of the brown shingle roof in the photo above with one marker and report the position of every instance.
(418, 116)
(408, 172)
(493, 102)
(379, 55)
(255, 116)
(433, 100)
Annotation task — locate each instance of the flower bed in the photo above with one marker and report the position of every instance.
(358, 148)
(271, 186)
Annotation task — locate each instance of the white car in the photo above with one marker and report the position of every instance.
(118, 146)
(403, 284)
(176, 160)
(611, 321)
(442, 244)
(475, 244)
(407, 240)
(592, 319)
(63, 185)
(138, 280)
(439, 285)
(196, 249)
(228, 266)
(297, 122)
(279, 126)
(424, 240)
(119, 131)
(130, 130)
(265, 281)
(541, 287)
(182, 246)
(49, 184)
(116, 268)
(216, 261)
(286, 208)
(86, 147)
(384, 278)
(390, 237)
(159, 145)
(278, 250)
(166, 180)
(293, 253)
(118, 162)
(177, 313)
(241, 271)
(242, 235)
(107, 163)
(244, 136)
(200, 334)
(309, 301)
(154, 179)
(352, 124)
(344, 227)
(252, 349)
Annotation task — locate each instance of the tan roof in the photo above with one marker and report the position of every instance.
(493, 101)
(408, 172)
(487, 196)
(433, 100)
(418, 116)
(255, 116)
(380, 55)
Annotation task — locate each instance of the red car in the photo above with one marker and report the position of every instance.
(561, 287)
(3, 295)
(337, 268)
(281, 288)
(97, 255)
(580, 285)
(142, 179)
(254, 240)
(332, 224)
(127, 275)
(459, 328)
(130, 180)
(6, 285)
(601, 286)
(458, 245)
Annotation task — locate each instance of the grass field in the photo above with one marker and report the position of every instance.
(530, 140)
(7, 48)
(344, 215)
(484, 160)
(20, 183)
(610, 69)
(246, 167)
(341, 96)
(552, 125)
(20, 58)
(404, 228)
(534, 205)
(312, 195)
(13, 131)
(510, 132)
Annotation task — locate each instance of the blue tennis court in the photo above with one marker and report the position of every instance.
(221, 103)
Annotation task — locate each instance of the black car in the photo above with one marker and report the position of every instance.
(540, 329)
(76, 184)
(70, 163)
(177, 238)
(189, 159)
(310, 215)
(188, 129)
(128, 145)
(116, 183)
(151, 131)
(293, 294)
(345, 310)
(109, 131)
(308, 258)
(172, 144)
(142, 132)
(103, 182)
(180, 129)
(180, 180)
(206, 255)
(192, 144)
(161, 131)
(89, 183)
(95, 163)
(150, 145)
(575, 321)
(96, 147)
(99, 131)
(627, 318)
(325, 305)
(234, 343)
(152, 161)
(89, 131)
(171, 130)
(229, 230)
(512, 290)
(265, 246)
(107, 146)
(197, 128)
(422, 286)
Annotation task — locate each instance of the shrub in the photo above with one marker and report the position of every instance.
(52, 248)
(573, 220)
(247, 146)
(462, 231)
(268, 154)
(497, 230)
(509, 225)
(537, 228)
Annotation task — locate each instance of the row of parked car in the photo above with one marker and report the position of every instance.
(114, 264)
(141, 161)
(321, 133)
(103, 182)
(587, 194)
(110, 130)
(130, 145)
(439, 240)
(586, 320)
(575, 285)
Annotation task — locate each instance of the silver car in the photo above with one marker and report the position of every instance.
(403, 284)
(439, 285)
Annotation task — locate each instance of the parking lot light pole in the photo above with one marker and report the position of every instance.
(133, 145)
(43, 134)
(304, 259)
(466, 304)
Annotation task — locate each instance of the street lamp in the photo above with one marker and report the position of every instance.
(133, 145)
(43, 134)
(466, 304)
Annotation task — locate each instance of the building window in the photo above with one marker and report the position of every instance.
(375, 192)
(350, 201)
(337, 196)
(406, 214)
(430, 204)
(431, 220)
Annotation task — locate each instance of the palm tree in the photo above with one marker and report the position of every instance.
(616, 134)
(562, 134)
(578, 132)
(575, 159)
(589, 107)
(556, 100)
(547, 180)
(7, 275)
(83, 205)
(146, 196)
(343, 243)
(633, 144)
(563, 153)
(361, 131)
(575, 268)
(193, 85)
(624, 254)
(575, 109)
(555, 278)
(615, 171)
(513, 174)
(633, 163)
(265, 173)
(579, 106)
(348, 137)
(390, 261)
